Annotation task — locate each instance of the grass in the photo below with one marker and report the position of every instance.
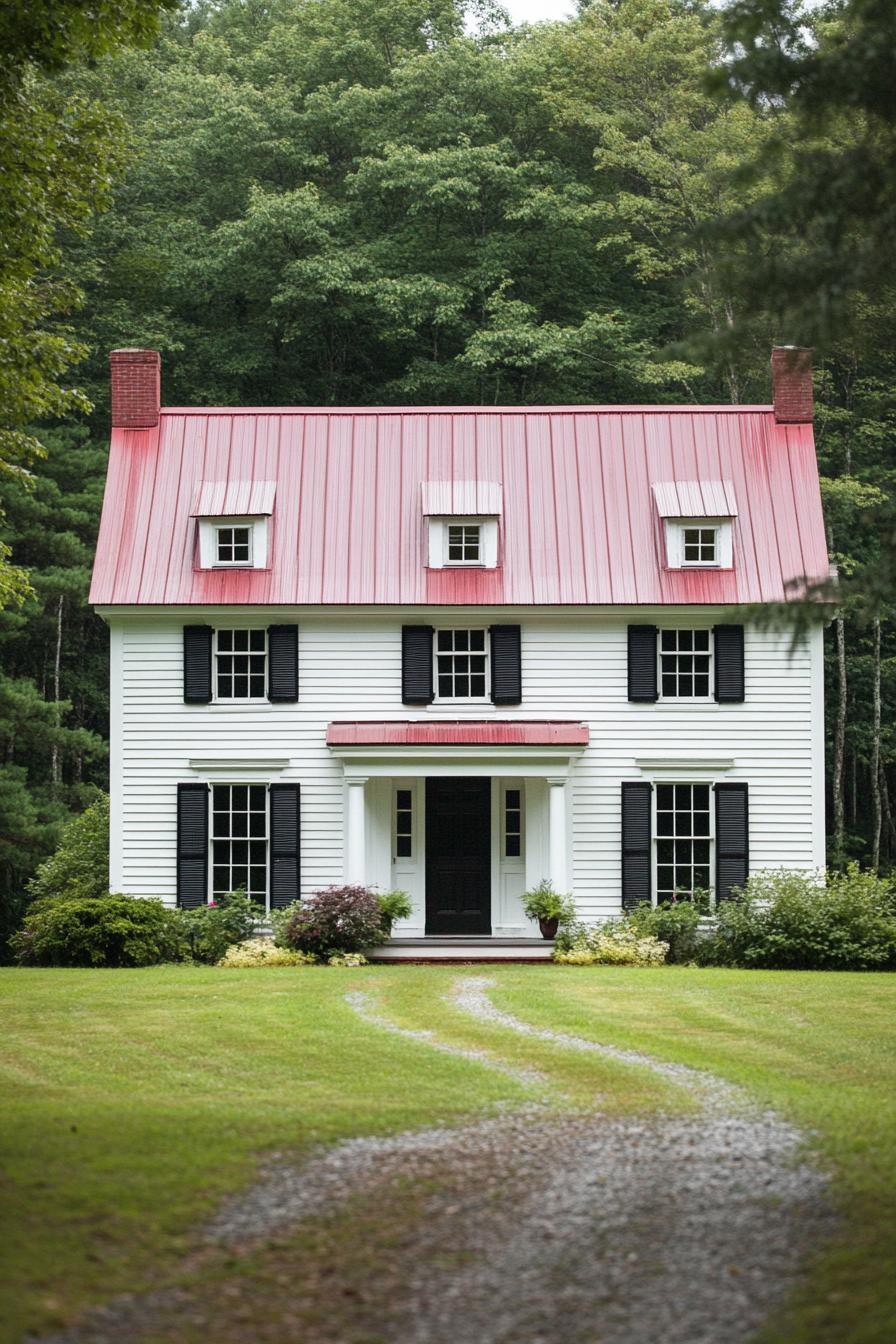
(132, 1100)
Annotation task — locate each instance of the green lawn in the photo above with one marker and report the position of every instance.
(131, 1100)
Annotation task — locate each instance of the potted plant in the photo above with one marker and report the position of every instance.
(394, 905)
(551, 908)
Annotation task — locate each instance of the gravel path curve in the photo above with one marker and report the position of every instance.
(531, 1227)
(470, 993)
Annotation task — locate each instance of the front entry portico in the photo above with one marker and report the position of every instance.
(463, 815)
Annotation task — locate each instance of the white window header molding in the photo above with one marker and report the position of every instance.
(462, 498)
(258, 541)
(439, 556)
(238, 765)
(684, 767)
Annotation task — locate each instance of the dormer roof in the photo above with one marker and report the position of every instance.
(233, 499)
(695, 499)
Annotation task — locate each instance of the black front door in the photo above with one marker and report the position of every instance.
(458, 856)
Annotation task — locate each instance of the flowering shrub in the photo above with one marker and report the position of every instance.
(338, 919)
(347, 959)
(262, 952)
(673, 922)
(211, 929)
(99, 931)
(786, 920)
(613, 943)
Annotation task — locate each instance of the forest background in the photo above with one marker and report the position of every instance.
(413, 201)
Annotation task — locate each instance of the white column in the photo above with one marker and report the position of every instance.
(355, 832)
(557, 832)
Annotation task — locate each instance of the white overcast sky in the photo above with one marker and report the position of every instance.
(530, 11)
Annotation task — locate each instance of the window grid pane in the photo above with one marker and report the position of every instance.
(700, 545)
(240, 840)
(463, 543)
(241, 664)
(685, 664)
(461, 664)
(513, 824)
(404, 824)
(234, 545)
(683, 843)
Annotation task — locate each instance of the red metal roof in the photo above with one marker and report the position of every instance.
(579, 523)
(458, 732)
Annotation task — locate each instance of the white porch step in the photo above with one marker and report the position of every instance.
(463, 949)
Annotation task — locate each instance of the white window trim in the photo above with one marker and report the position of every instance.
(231, 783)
(437, 547)
(258, 542)
(226, 525)
(238, 699)
(691, 780)
(675, 530)
(485, 699)
(709, 698)
(464, 564)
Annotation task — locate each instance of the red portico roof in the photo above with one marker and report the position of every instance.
(459, 732)
(578, 521)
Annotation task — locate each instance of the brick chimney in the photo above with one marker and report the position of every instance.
(792, 384)
(136, 388)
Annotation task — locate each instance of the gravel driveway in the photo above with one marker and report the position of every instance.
(528, 1228)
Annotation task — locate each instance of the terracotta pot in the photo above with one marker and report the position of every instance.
(548, 927)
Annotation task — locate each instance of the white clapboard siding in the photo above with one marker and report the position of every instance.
(574, 666)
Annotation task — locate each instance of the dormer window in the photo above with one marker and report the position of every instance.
(233, 523)
(464, 543)
(233, 545)
(698, 520)
(462, 520)
(700, 545)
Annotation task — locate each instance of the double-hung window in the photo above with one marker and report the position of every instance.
(683, 840)
(240, 840)
(462, 664)
(685, 664)
(241, 664)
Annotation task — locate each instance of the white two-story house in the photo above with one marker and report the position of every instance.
(459, 650)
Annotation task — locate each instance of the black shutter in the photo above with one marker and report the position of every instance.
(197, 664)
(416, 664)
(729, 660)
(732, 838)
(192, 845)
(642, 662)
(285, 815)
(283, 663)
(636, 857)
(507, 672)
